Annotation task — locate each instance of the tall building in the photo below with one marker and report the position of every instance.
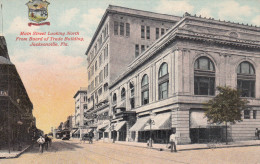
(168, 84)
(81, 107)
(16, 119)
(122, 35)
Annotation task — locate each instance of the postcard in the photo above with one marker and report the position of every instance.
(117, 81)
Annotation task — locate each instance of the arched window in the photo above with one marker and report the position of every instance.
(145, 90)
(246, 79)
(132, 99)
(163, 81)
(132, 89)
(204, 76)
(123, 94)
(114, 98)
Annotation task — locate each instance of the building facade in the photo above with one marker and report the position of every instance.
(167, 85)
(17, 123)
(122, 35)
(81, 107)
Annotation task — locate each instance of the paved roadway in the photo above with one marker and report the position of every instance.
(73, 152)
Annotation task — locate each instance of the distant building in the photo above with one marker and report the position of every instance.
(81, 107)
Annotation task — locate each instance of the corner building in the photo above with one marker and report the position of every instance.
(166, 86)
(121, 36)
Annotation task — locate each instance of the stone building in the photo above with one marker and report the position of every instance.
(151, 73)
(17, 123)
(167, 85)
(121, 36)
(80, 109)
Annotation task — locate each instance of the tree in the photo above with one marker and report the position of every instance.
(226, 107)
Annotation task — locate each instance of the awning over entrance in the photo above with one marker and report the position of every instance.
(198, 119)
(107, 129)
(140, 124)
(160, 122)
(77, 131)
(73, 131)
(119, 125)
(85, 131)
(102, 126)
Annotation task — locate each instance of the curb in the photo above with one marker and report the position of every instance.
(18, 154)
(188, 149)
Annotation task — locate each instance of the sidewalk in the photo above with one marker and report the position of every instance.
(162, 147)
(13, 154)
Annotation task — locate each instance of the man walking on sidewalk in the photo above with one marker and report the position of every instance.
(41, 141)
(173, 141)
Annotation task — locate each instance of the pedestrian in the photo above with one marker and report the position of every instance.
(91, 135)
(173, 141)
(47, 141)
(41, 142)
(257, 133)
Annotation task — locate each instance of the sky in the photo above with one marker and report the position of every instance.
(52, 75)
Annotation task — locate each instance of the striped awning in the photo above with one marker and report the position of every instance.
(140, 124)
(160, 122)
(119, 125)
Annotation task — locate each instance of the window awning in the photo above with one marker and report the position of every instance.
(119, 125)
(102, 126)
(140, 124)
(108, 129)
(198, 119)
(160, 122)
(85, 131)
(77, 131)
(122, 105)
(73, 131)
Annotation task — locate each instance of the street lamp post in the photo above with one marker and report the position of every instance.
(151, 122)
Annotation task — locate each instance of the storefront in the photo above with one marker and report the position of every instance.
(158, 127)
(201, 131)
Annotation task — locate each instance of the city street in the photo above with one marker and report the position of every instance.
(74, 152)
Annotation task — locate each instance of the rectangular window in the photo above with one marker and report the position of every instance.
(115, 28)
(100, 76)
(92, 70)
(122, 26)
(142, 32)
(88, 75)
(127, 30)
(162, 31)
(107, 52)
(142, 48)
(157, 33)
(167, 29)
(95, 48)
(96, 81)
(254, 114)
(145, 97)
(106, 71)
(246, 87)
(147, 32)
(136, 50)
(100, 60)
(163, 90)
(96, 66)
(105, 33)
(204, 85)
(246, 114)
